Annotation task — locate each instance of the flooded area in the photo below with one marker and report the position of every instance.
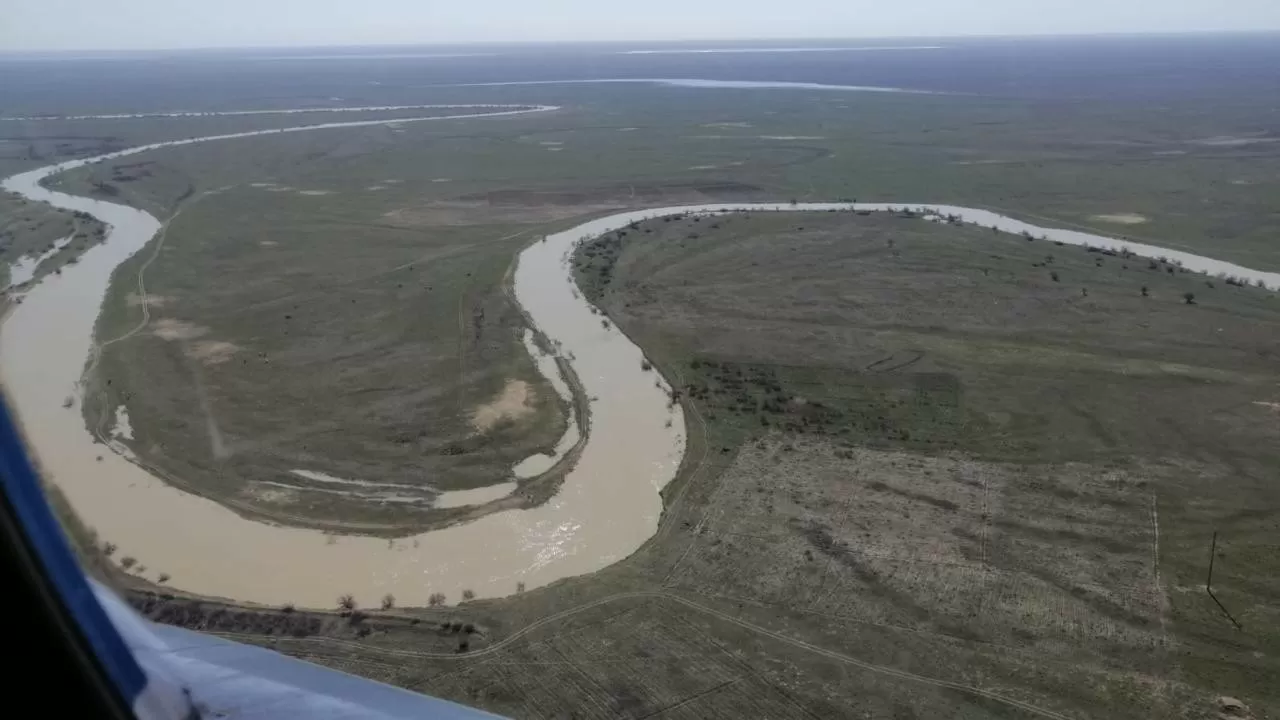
(478, 496)
(608, 505)
(706, 84)
(535, 465)
(24, 268)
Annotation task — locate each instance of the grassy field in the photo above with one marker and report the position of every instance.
(369, 359)
(1175, 174)
(933, 472)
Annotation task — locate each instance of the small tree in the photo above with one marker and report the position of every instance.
(520, 587)
(1145, 291)
(1053, 276)
(108, 548)
(163, 578)
(436, 599)
(347, 602)
(127, 562)
(388, 601)
(468, 595)
(1189, 298)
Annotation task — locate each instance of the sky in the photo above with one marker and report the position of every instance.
(165, 24)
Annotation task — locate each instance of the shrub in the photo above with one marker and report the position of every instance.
(388, 601)
(163, 578)
(468, 595)
(436, 599)
(108, 548)
(347, 602)
(127, 562)
(1189, 298)
(1053, 276)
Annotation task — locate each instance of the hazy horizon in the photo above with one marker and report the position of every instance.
(877, 42)
(147, 25)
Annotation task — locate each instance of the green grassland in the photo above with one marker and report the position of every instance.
(1193, 172)
(304, 335)
(924, 479)
(926, 464)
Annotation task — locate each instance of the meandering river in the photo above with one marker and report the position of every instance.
(608, 506)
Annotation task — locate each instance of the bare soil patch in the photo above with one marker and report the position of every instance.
(152, 301)
(212, 352)
(1122, 218)
(512, 404)
(174, 329)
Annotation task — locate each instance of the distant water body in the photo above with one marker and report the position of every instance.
(705, 83)
(1237, 69)
(740, 50)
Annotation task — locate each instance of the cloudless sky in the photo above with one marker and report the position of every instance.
(155, 24)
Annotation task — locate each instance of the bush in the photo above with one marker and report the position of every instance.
(127, 562)
(436, 600)
(1053, 276)
(1189, 298)
(388, 601)
(347, 602)
(468, 595)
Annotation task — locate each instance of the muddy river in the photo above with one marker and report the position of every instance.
(608, 506)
